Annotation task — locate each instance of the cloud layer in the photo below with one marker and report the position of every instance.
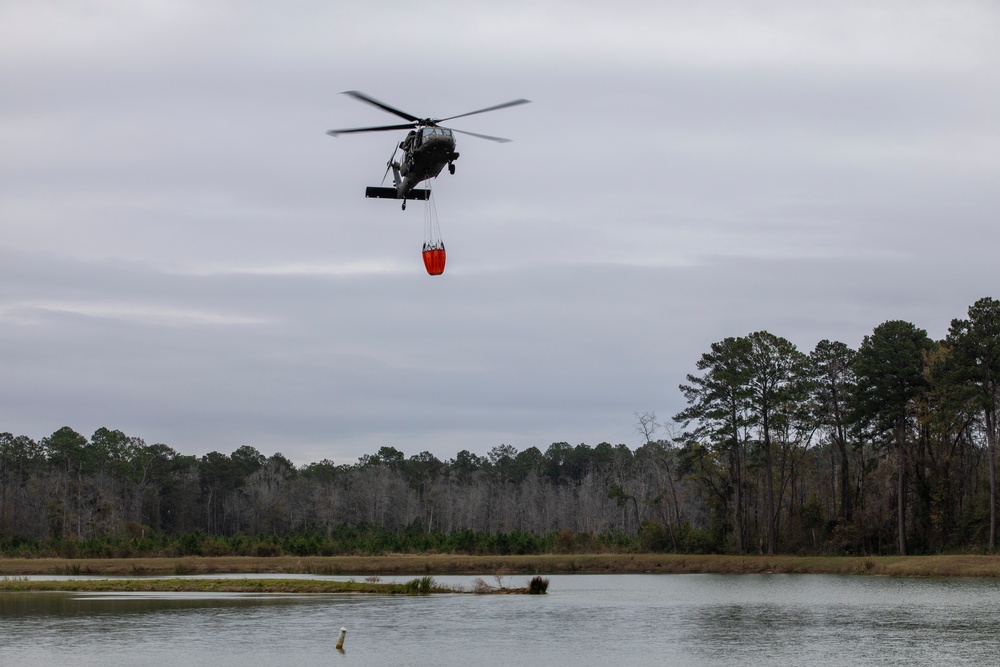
(185, 256)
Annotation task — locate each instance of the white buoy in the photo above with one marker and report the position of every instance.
(340, 639)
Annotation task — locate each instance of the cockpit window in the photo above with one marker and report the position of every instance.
(435, 131)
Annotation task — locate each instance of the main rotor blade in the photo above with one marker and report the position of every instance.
(482, 136)
(512, 103)
(381, 128)
(358, 95)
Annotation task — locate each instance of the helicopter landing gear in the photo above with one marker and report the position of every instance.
(451, 168)
(404, 204)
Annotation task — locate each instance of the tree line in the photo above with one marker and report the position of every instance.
(887, 448)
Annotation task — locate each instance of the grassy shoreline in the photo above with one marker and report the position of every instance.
(442, 564)
(295, 586)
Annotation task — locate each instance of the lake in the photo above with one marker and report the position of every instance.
(616, 620)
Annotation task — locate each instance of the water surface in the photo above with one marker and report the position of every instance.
(617, 620)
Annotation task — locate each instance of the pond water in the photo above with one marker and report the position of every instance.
(617, 620)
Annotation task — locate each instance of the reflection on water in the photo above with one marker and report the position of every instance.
(623, 620)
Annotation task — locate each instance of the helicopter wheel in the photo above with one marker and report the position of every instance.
(451, 167)
(404, 204)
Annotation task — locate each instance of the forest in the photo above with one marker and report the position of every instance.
(889, 448)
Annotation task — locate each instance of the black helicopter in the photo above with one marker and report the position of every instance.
(426, 149)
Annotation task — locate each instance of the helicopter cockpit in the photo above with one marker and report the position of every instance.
(436, 135)
(434, 132)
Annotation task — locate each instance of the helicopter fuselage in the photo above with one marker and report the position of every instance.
(425, 153)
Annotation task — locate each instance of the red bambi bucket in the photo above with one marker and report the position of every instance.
(434, 261)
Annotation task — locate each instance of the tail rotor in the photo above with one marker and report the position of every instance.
(388, 165)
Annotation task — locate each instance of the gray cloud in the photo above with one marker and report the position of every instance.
(187, 257)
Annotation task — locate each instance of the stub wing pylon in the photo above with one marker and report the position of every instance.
(373, 192)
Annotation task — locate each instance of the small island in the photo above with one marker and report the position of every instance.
(422, 586)
(371, 584)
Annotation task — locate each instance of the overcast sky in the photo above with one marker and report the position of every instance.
(187, 257)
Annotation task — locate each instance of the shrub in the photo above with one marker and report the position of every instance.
(538, 586)
(422, 585)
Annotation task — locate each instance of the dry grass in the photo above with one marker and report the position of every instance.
(215, 586)
(439, 564)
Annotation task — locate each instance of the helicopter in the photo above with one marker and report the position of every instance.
(427, 148)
